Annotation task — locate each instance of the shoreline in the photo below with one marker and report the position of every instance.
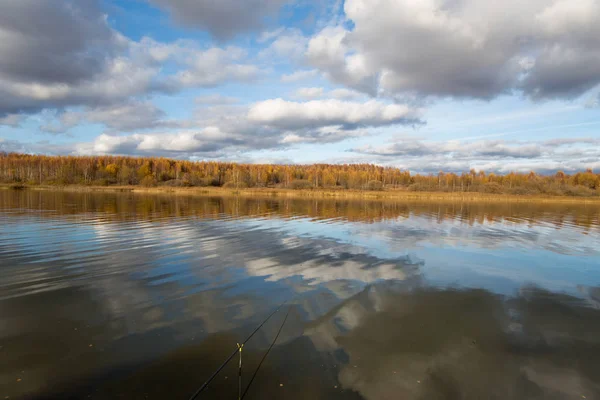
(346, 194)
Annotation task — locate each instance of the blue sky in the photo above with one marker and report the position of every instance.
(427, 86)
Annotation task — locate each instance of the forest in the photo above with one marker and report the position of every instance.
(20, 170)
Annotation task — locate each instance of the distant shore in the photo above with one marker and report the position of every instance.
(398, 194)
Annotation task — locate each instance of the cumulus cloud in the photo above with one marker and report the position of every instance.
(345, 94)
(39, 147)
(55, 55)
(309, 92)
(184, 142)
(212, 67)
(122, 79)
(119, 117)
(9, 146)
(567, 154)
(270, 35)
(469, 49)
(322, 113)
(218, 129)
(48, 48)
(328, 134)
(328, 51)
(12, 120)
(280, 123)
(485, 148)
(289, 45)
(222, 18)
(216, 99)
(208, 143)
(319, 92)
(49, 42)
(212, 131)
(129, 116)
(593, 101)
(299, 75)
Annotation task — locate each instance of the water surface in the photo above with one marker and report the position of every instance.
(116, 295)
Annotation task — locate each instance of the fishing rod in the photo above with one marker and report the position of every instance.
(236, 351)
(266, 354)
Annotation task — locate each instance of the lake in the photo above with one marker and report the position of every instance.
(132, 296)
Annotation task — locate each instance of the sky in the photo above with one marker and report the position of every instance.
(423, 85)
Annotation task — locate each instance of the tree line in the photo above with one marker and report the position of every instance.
(26, 169)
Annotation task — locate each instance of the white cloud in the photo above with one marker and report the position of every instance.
(326, 134)
(118, 117)
(54, 56)
(299, 75)
(267, 36)
(40, 147)
(12, 120)
(213, 67)
(215, 130)
(328, 52)
(121, 79)
(236, 128)
(216, 99)
(568, 154)
(223, 18)
(276, 123)
(546, 49)
(593, 101)
(345, 94)
(10, 146)
(485, 148)
(309, 92)
(49, 50)
(289, 45)
(565, 17)
(132, 74)
(49, 42)
(159, 143)
(128, 116)
(321, 113)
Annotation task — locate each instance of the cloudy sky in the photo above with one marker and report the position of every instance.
(424, 85)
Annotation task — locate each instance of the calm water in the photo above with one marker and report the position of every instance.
(109, 296)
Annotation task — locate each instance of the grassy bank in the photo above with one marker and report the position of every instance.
(399, 195)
